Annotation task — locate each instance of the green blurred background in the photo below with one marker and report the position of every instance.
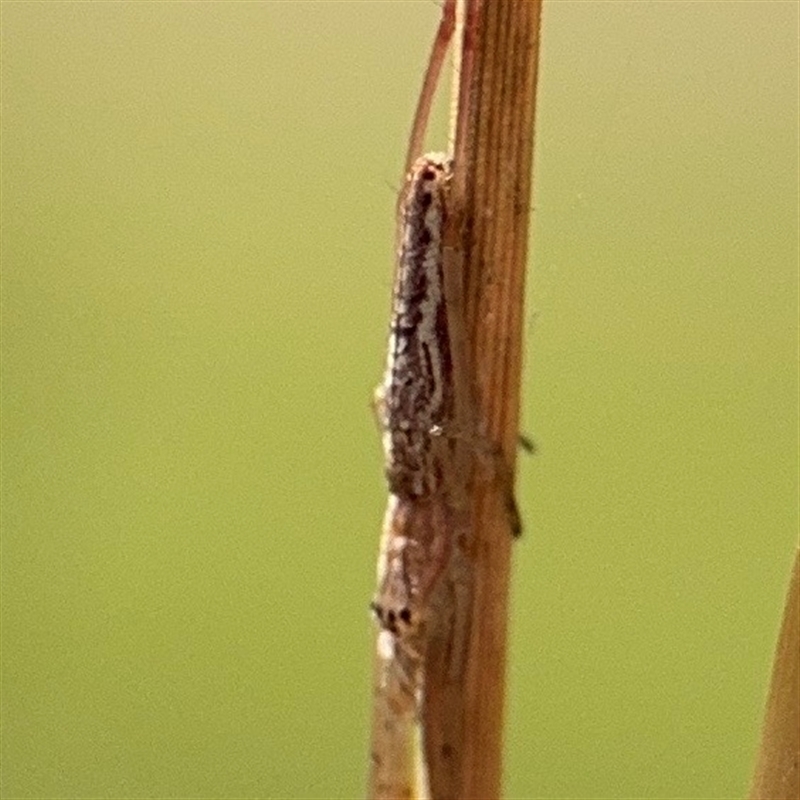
(197, 232)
